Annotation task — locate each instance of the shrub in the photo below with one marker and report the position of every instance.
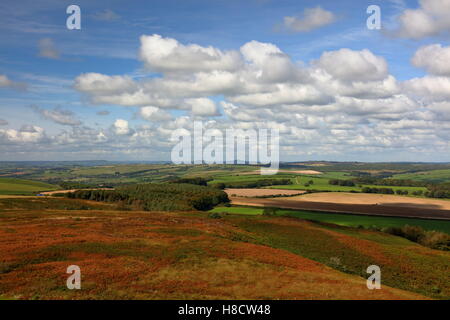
(412, 233)
(396, 231)
(216, 215)
(436, 240)
(269, 211)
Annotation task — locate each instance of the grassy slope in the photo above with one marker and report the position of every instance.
(23, 187)
(346, 219)
(189, 256)
(404, 264)
(156, 256)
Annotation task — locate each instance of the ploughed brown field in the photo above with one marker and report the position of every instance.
(380, 199)
(358, 203)
(260, 192)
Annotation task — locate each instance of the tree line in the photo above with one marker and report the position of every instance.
(251, 184)
(339, 182)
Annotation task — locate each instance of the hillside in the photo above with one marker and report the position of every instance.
(157, 255)
(24, 187)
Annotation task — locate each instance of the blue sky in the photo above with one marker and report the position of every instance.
(42, 60)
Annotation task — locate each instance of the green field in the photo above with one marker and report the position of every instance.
(11, 186)
(435, 176)
(247, 178)
(321, 184)
(302, 182)
(348, 220)
(343, 175)
(240, 176)
(239, 210)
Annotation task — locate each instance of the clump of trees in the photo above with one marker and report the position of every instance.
(377, 190)
(432, 239)
(157, 196)
(310, 182)
(339, 182)
(216, 215)
(197, 181)
(390, 182)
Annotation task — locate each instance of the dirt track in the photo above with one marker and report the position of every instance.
(247, 192)
(364, 209)
(302, 171)
(50, 193)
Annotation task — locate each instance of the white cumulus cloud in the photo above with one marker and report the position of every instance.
(353, 65)
(430, 19)
(202, 107)
(311, 18)
(58, 115)
(155, 114)
(121, 127)
(433, 58)
(167, 54)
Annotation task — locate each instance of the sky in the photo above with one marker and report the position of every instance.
(135, 71)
